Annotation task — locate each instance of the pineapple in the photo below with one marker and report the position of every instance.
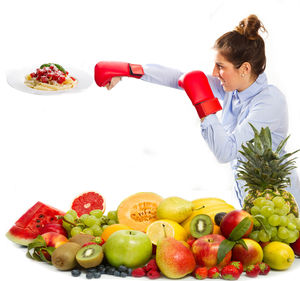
(264, 171)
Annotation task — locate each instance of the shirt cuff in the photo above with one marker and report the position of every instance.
(209, 120)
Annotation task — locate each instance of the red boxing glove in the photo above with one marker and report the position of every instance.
(196, 85)
(106, 70)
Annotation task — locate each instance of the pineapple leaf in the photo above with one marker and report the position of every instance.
(281, 145)
(265, 138)
(254, 129)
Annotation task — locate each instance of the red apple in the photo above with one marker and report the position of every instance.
(253, 255)
(232, 219)
(296, 247)
(54, 239)
(205, 250)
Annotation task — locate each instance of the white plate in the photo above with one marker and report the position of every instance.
(16, 78)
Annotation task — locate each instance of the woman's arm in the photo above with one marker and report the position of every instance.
(109, 74)
(265, 110)
(162, 75)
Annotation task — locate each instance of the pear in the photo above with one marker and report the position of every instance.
(174, 208)
(173, 258)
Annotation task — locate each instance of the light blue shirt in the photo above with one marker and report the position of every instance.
(260, 104)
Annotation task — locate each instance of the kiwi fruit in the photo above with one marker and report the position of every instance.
(64, 257)
(218, 218)
(82, 238)
(90, 256)
(201, 225)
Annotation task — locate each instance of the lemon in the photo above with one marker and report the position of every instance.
(165, 228)
(278, 255)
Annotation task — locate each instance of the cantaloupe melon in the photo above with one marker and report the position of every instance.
(139, 210)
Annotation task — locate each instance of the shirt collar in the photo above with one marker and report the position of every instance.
(253, 89)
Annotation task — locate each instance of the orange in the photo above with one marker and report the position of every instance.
(109, 230)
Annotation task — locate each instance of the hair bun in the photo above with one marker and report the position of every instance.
(249, 27)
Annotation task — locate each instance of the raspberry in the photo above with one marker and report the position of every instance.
(151, 265)
(138, 272)
(153, 274)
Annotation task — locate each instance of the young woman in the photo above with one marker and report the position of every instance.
(238, 80)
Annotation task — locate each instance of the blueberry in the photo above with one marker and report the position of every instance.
(89, 275)
(129, 271)
(117, 273)
(92, 269)
(75, 272)
(97, 274)
(123, 274)
(110, 271)
(102, 270)
(122, 268)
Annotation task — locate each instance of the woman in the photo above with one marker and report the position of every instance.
(238, 80)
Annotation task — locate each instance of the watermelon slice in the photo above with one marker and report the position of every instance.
(29, 225)
(87, 202)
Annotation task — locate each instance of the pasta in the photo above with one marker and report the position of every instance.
(50, 77)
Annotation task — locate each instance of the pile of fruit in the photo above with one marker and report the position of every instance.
(153, 236)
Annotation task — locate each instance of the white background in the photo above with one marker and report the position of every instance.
(137, 137)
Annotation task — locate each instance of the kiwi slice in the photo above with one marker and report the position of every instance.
(90, 256)
(201, 225)
(218, 218)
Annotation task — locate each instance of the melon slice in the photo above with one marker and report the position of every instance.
(28, 226)
(139, 210)
(87, 202)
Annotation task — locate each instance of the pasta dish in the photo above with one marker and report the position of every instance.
(50, 77)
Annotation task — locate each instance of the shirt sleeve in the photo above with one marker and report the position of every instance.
(162, 75)
(216, 87)
(268, 111)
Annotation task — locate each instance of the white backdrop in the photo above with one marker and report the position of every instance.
(137, 137)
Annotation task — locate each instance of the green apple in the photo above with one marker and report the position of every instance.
(131, 248)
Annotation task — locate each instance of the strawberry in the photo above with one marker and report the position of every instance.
(238, 265)
(252, 270)
(213, 273)
(200, 273)
(230, 272)
(264, 268)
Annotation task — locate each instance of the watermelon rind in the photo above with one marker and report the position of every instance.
(29, 225)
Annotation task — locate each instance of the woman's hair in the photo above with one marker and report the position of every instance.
(244, 44)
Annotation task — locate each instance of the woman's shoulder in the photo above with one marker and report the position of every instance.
(271, 94)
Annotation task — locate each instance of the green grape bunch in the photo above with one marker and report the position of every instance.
(273, 221)
(93, 223)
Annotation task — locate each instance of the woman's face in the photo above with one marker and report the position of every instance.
(231, 78)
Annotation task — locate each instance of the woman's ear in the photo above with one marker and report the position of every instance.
(245, 69)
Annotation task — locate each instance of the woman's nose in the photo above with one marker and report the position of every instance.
(215, 72)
